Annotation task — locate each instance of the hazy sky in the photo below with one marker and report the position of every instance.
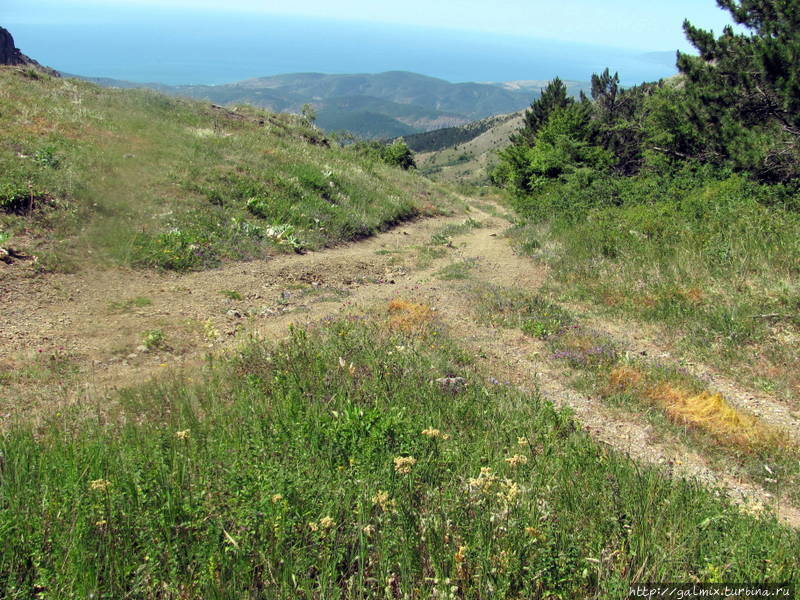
(623, 23)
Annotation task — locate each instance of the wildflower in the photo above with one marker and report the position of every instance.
(313, 526)
(460, 554)
(343, 365)
(403, 464)
(327, 523)
(99, 485)
(522, 441)
(483, 483)
(101, 523)
(382, 499)
(517, 459)
(276, 498)
(434, 433)
(510, 491)
(182, 435)
(209, 331)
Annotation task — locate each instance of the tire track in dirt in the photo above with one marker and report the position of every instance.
(523, 362)
(641, 340)
(68, 316)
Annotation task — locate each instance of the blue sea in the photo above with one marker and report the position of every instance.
(213, 47)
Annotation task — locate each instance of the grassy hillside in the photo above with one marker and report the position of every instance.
(140, 178)
(673, 203)
(468, 161)
(440, 139)
(375, 452)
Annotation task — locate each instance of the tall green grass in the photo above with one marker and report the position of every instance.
(334, 465)
(714, 257)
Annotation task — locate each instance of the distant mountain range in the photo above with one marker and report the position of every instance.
(382, 105)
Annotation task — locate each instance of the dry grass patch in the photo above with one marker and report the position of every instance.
(409, 317)
(707, 411)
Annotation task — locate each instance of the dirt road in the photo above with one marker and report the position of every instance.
(73, 339)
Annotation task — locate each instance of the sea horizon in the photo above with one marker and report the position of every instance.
(209, 48)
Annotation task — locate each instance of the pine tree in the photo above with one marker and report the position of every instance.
(744, 88)
(605, 93)
(553, 96)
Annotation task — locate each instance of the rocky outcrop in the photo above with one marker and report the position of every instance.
(11, 55)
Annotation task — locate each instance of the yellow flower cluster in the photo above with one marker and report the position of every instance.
(99, 485)
(183, 435)
(404, 464)
(324, 523)
(509, 491)
(517, 459)
(483, 482)
(383, 500)
(210, 332)
(434, 433)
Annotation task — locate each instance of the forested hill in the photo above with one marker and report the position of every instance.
(439, 139)
(382, 105)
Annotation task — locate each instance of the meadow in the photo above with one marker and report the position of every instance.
(367, 457)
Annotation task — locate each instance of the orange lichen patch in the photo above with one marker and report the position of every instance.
(409, 317)
(704, 411)
(624, 377)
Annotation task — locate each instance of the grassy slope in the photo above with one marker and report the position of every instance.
(713, 261)
(469, 162)
(149, 180)
(335, 466)
(707, 260)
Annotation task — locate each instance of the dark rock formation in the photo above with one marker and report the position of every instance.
(11, 55)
